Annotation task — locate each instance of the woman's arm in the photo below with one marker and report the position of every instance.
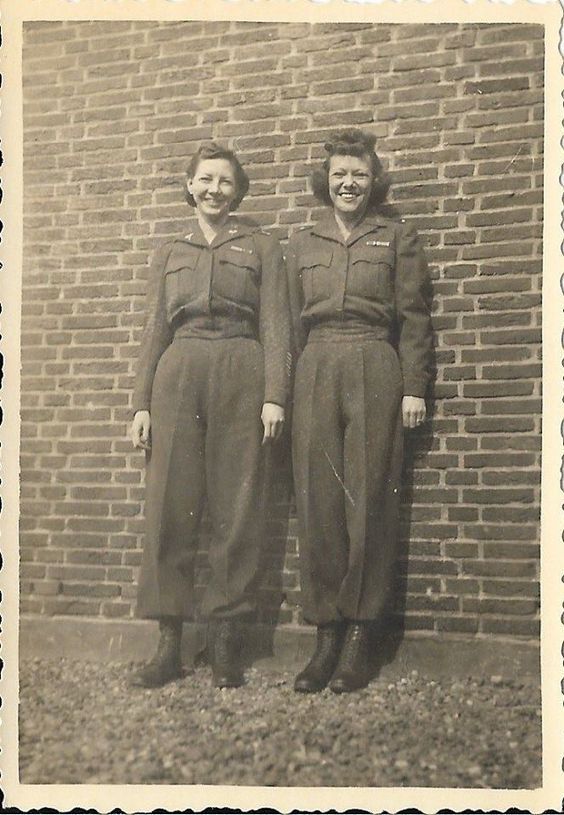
(274, 328)
(412, 296)
(157, 334)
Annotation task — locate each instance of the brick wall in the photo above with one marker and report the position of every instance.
(112, 113)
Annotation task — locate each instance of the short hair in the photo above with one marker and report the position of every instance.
(357, 143)
(210, 150)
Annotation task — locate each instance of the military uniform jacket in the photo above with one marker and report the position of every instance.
(377, 278)
(234, 287)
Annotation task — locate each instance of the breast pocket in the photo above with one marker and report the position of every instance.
(315, 270)
(237, 277)
(371, 272)
(182, 282)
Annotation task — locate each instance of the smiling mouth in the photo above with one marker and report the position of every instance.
(348, 196)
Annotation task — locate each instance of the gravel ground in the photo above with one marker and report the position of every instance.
(81, 723)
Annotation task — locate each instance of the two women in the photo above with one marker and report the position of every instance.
(204, 376)
(211, 388)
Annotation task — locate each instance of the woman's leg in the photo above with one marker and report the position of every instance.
(235, 489)
(175, 485)
(234, 476)
(173, 508)
(321, 493)
(373, 457)
(317, 433)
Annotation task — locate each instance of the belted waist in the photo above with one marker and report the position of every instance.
(217, 326)
(351, 330)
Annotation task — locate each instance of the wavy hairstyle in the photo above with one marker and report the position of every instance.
(213, 150)
(352, 142)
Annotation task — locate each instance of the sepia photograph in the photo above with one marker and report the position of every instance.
(279, 362)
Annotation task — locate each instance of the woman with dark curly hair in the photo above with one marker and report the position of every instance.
(213, 363)
(356, 278)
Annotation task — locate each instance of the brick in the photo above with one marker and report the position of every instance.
(454, 549)
(505, 34)
(432, 602)
(531, 441)
(90, 590)
(518, 83)
(499, 568)
(510, 588)
(521, 607)
(524, 336)
(461, 477)
(519, 406)
(498, 388)
(492, 424)
(532, 371)
(528, 628)
(458, 624)
(496, 478)
(494, 532)
(71, 606)
(498, 496)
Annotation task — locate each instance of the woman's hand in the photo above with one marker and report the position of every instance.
(273, 420)
(140, 430)
(414, 411)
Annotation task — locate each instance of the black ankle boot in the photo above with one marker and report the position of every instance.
(354, 668)
(166, 665)
(226, 654)
(319, 669)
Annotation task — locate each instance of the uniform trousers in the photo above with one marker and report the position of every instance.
(347, 455)
(206, 443)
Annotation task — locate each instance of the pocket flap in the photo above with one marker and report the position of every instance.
(369, 253)
(240, 257)
(319, 257)
(183, 256)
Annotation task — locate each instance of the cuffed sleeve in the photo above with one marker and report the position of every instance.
(413, 312)
(157, 334)
(274, 320)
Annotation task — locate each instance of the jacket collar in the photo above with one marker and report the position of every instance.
(328, 228)
(231, 230)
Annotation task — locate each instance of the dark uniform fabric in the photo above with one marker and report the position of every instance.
(347, 299)
(215, 348)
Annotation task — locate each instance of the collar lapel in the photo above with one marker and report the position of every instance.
(328, 228)
(232, 230)
(369, 223)
(194, 234)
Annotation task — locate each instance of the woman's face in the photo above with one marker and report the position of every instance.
(213, 188)
(350, 183)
